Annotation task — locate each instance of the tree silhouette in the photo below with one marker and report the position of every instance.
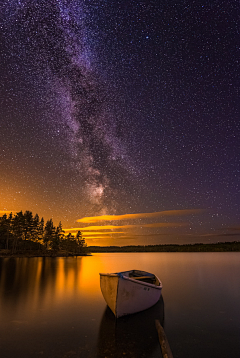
(28, 224)
(80, 241)
(21, 232)
(48, 232)
(18, 228)
(5, 230)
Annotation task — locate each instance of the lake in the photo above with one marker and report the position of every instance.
(53, 307)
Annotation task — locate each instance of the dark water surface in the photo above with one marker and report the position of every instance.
(53, 307)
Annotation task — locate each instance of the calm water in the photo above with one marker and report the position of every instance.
(54, 307)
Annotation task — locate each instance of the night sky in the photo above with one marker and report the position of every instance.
(122, 108)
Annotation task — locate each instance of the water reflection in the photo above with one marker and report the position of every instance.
(130, 336)
(52, 306)
(31, 283)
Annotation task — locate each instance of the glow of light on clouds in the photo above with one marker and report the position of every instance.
(107, 237)
(2, 212)
(96, 233)
(113, 227)
(95, 219)
(94, 228)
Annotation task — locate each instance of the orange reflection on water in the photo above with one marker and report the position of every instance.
(42, 283)
(89, 275)
(67, 278)
(29, 286)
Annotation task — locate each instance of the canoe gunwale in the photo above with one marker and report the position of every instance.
(121, 276)
(109, 274)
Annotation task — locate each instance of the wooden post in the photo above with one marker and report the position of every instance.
(166, 350)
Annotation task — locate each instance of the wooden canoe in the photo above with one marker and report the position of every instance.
(130, 291)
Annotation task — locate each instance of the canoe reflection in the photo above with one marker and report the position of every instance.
(130, 336)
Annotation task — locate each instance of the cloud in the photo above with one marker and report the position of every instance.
(94, 219)
(236, 228)
(107, 237)
(2, 212)
(98, 233)
(94, 228)
(113, 227)
(165, 225)
(227, 231)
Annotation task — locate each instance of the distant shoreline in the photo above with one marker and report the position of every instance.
(199, 247)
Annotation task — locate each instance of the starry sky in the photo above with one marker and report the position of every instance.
(121, 118)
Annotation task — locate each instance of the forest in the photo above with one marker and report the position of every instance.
(24, 233)
(198, 247)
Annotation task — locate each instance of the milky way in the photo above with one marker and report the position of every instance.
(50, 38)
(110, 107)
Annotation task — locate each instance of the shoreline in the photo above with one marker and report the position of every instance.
(199, 247)
(34, 254)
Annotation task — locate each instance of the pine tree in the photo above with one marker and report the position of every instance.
(49, 232)
(80, 241)
(18, 227)
(28, 225)
(5, 229)
(35, 228)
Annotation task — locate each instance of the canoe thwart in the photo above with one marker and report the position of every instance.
(142, 277)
